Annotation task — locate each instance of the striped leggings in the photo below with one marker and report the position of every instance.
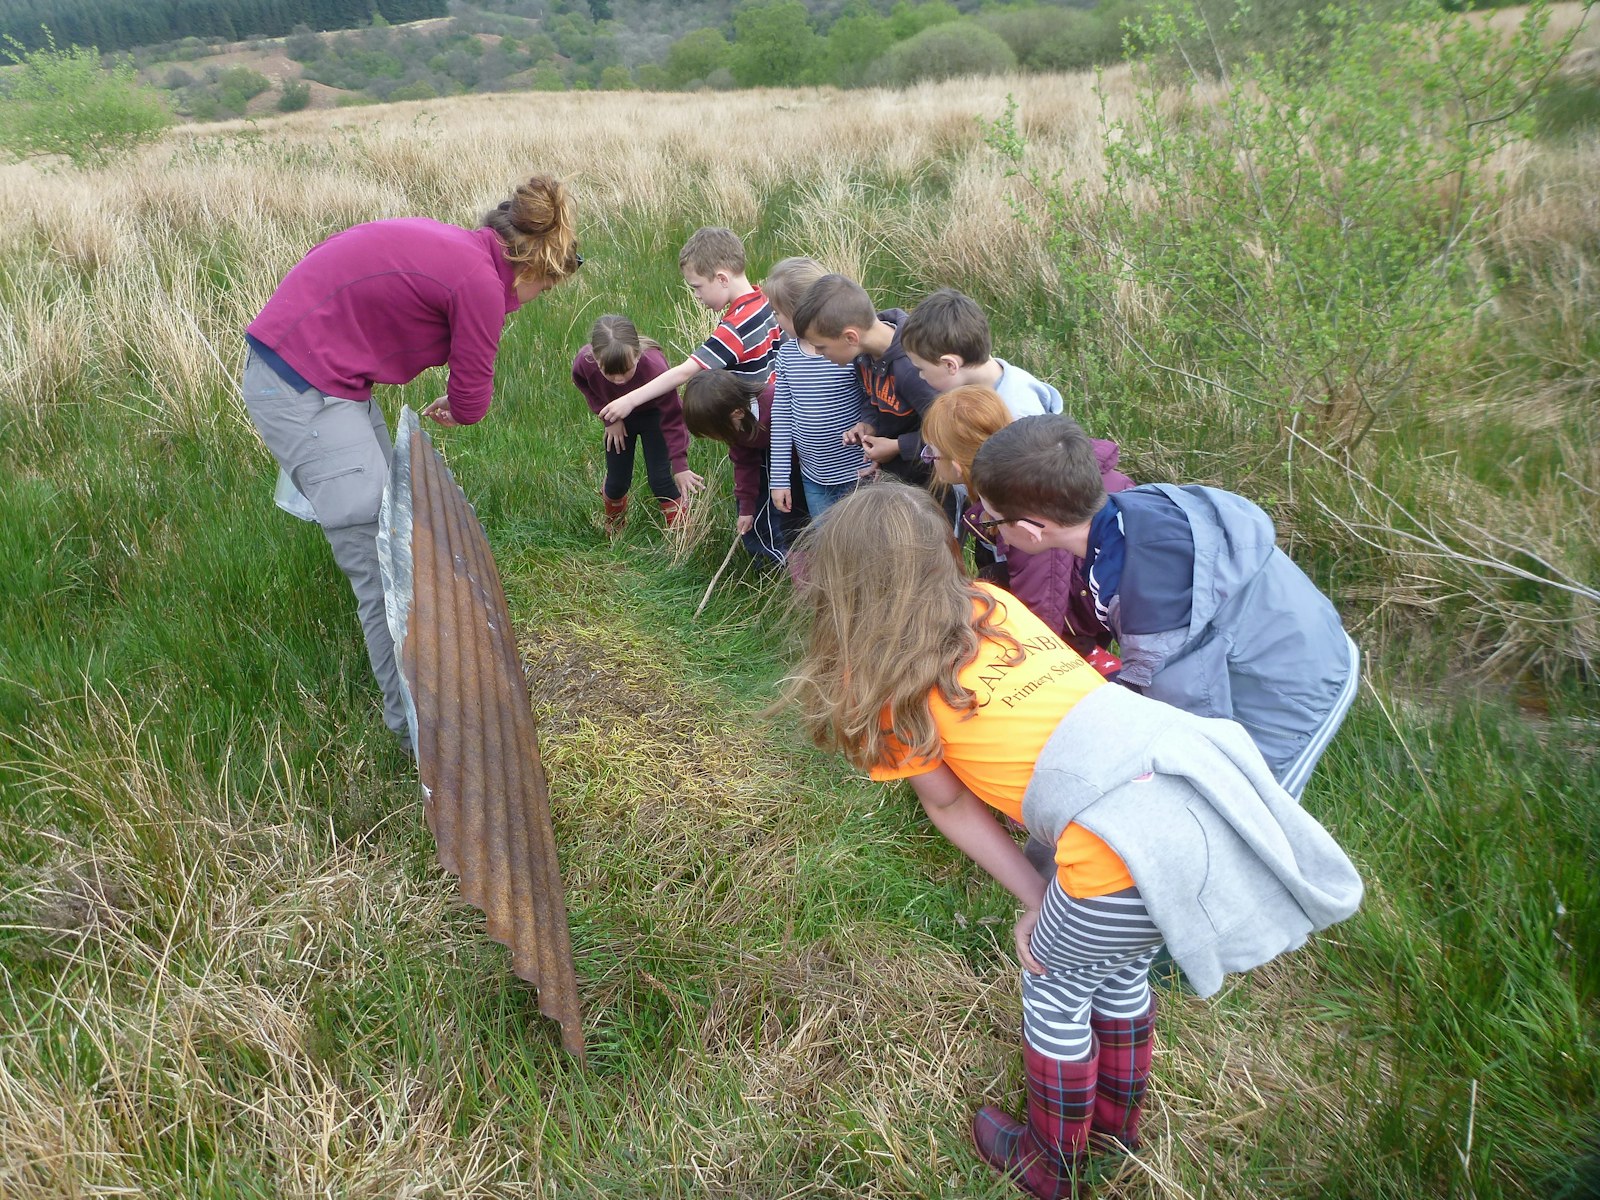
(1096, 953)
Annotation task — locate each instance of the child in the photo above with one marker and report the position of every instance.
(720, 406)
(615, 357)
(947, 339)
(1208, 613)
(982, 705)
(814, 404)
(836, 316)
(745, 341)
(1050, 581)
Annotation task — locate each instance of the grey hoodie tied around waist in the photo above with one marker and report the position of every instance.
(1232, 870)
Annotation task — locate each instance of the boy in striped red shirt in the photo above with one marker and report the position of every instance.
(745, 341)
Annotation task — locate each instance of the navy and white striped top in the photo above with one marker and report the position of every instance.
(814, 403)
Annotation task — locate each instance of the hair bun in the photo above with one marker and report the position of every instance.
(536, 207)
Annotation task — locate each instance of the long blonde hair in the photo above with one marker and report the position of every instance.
(960, 421)
(892, 616)
(539, 227)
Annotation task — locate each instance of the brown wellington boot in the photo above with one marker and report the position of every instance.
(616, 514)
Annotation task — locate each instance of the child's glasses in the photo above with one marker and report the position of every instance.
(928, 455)
(990, 527)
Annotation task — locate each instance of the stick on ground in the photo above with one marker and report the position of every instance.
(726, 559)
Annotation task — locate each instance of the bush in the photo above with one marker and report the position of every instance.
(237, 86)
(296, 96)
(944, 52)
(695, 55)
(1057, 39)
(65, 102)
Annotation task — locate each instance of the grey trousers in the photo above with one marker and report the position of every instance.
(338, 454)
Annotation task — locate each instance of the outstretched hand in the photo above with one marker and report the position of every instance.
(689, 483)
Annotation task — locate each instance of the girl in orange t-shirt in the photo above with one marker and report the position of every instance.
(915, 672)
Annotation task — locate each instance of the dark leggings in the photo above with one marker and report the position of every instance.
(641, 425)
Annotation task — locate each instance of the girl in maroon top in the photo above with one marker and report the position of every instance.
(616, 361)
(724, 408)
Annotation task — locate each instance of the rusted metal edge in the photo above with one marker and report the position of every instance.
(484, 792)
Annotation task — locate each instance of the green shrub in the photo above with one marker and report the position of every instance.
(695, 55)
(65, 102)
(946, 51)
(296, 96)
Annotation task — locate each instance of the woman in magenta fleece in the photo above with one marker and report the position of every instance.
(381, 303)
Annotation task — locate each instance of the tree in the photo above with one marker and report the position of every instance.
(946, 51)
(64, 102)
(695, 55)
(774, 45)
(906, 20)
(855, 41)
(295, 96)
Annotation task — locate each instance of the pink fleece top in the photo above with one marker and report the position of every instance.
(384, 301)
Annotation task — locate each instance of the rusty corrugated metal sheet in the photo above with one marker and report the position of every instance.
(477, 745)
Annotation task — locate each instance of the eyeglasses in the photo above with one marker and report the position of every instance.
(577, 258)
(990, 527)
(928, 456)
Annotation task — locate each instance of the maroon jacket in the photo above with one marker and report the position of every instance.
(1051, 582)
(599, 391)
(750, 459)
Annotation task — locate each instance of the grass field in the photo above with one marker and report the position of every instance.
(230, 965)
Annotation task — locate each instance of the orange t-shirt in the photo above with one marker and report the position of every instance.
(993, 748)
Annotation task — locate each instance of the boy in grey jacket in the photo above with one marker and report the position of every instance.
(1210, 615)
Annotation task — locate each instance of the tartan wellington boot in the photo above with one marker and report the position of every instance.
(1045, 1157)
(616, 514)
(672, 511)
(1126, 1044)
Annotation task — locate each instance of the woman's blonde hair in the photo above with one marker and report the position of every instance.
(538, 225)
(961, 420)
(892, 617)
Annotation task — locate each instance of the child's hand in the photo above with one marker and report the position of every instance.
(744, 525)
(881, 449)
(689, 483)
(782, 499)
(617, 410)
(853, 435)
(1024, 935)
(439, 411)
(616, 437)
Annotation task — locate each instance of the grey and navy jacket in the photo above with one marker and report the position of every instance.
(1213, 618)
(1231, 869)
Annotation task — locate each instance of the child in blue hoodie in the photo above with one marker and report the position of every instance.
(1209, 614)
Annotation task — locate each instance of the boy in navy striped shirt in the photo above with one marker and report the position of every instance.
(745, 341)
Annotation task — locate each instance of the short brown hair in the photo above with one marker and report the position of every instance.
(710, 250)
(963, 419)
(833, 304)
(710, 400)
(1042, 466)
(947, 322)
(786, 284)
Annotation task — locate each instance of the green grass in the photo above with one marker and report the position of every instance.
(232, 968)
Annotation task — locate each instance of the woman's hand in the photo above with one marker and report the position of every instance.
(1023, 932)
(689, 484)
(616, 436)
(439, 411)
(744, 525)
(782, 499)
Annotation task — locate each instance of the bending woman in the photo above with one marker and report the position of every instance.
(380, 303)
